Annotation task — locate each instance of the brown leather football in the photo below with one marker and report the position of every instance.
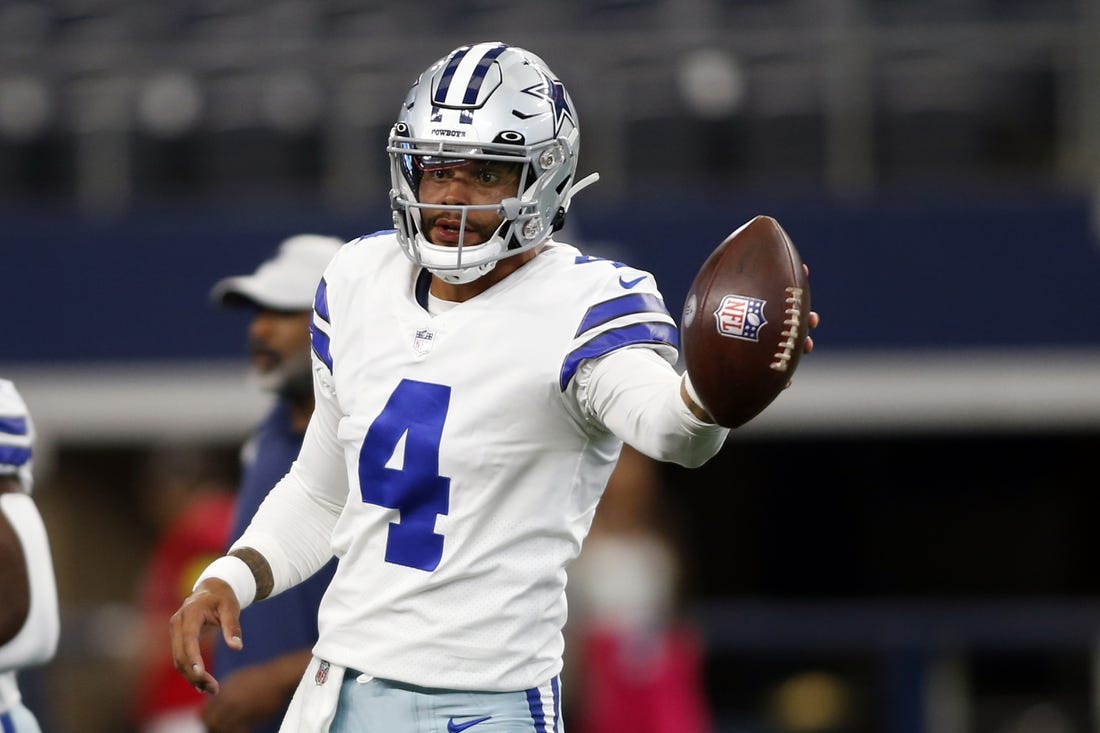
(745, 321)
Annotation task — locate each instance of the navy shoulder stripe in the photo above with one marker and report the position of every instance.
(624, 305)
(380, 233)
(11, 455)
(318, 339)
(320, 301)
(13, 425)
(617, 338)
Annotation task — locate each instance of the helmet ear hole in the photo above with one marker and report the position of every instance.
(559, 220)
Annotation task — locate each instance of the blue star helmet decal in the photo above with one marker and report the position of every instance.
(553, 91)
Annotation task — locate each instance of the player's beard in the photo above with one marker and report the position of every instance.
(475, 233)
(291, 377)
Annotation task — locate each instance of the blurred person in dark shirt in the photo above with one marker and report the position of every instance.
(258, 681)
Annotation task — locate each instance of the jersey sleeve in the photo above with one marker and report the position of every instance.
(635, 394)
(620, 370)
(293, 526)
(622, 317)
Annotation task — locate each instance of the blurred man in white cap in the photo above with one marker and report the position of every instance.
(29, 619)
(260, 679)
(280, 292)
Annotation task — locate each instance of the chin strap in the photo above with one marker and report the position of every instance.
(465, 275)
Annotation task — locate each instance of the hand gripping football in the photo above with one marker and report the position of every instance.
(745, 321)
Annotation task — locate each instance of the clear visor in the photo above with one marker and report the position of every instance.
(444, 160)
(426, 163)
(428, 153)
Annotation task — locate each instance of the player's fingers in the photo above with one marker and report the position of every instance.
(814, 319)
(806, 269)
(809, 345)
(205, 682)
(185, 627)
(227, 610)
(186, 653)
(231, 631)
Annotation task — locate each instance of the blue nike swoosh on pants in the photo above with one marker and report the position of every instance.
(628, 284)
(453, 727)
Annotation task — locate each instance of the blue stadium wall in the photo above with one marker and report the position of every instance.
(935, 272)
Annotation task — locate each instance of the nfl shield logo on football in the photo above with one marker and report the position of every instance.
(740, 317)
(322, 673)
(422, 341)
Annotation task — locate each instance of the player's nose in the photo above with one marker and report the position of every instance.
(456, 191)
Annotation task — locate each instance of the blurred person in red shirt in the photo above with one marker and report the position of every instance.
(637, 663)
(194, 506)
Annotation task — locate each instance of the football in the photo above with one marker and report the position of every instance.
(745, 321)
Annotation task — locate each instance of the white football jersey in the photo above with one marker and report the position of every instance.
(473, 468)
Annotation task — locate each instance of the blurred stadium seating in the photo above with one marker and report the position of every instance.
(104, 103)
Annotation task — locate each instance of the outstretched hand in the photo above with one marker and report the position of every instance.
(813, 320)
(213, 604)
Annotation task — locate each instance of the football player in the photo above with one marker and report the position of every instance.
(475, 381)
(29, 620)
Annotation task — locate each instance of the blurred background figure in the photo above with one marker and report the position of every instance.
(812, 701)
(258, 681)
(637, 662)
(29, 620)
(193, 507)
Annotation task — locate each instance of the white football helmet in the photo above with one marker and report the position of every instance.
(487, 101)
